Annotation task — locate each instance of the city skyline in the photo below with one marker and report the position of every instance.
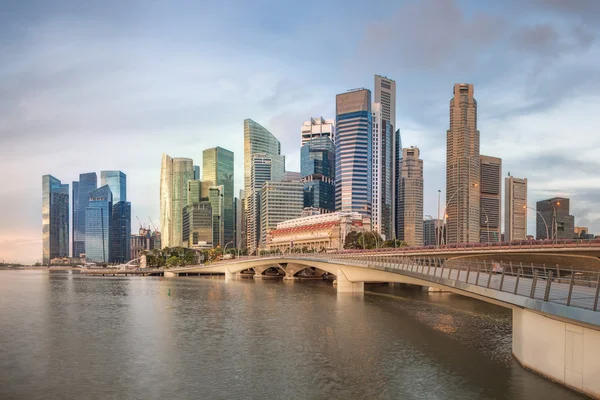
(519, 125)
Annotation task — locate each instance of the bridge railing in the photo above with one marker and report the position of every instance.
(556, 284)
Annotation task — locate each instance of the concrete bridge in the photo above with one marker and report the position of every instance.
(556, 321)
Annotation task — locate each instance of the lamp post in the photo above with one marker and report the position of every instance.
(543, 219)
(487, 221)
(225, 248)
(450, 199)
(437, 242)
(555, 224)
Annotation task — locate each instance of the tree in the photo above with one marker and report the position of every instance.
(394, 243)
(351, 241)
(173, 261)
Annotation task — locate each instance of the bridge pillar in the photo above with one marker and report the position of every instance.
(564, 352)
(169, 274)
(345, 286)
(229, 275)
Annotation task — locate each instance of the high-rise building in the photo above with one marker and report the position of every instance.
(174, 176)
(291, 176)
(280, 201)
(515, 205)
(317, 170)
(433, 231)
(120, 232)
(410, 216)
(236, 226)
(462, 168)
(553, 219)
(397, 179)
(117, 182)
(353, 147)
(81, 195)
(490, 189)
(269, 164)
(383, 174)
(317, 128)
(216, 198)
(198, 225)
(241, 221)
(217, 167)
(196, 172)
(55, 219)
(98, 216)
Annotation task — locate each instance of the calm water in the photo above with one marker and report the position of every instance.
(73, 337)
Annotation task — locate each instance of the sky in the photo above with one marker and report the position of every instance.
(111, 85)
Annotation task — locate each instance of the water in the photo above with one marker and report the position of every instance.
(67, 336)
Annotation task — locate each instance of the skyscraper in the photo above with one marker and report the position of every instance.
(270, 165)
(410, 215)
(279, 201)
(198, 225)
(117, 182)
(317, 128)
(217, 167)
(317, 170)
(553, 217)
(383, 174)
(216, 198)
(462, 168)
(490, 198)
(55, 219)
(515, 205)
(353, 152)
(98, 215)
(120, 232)
(81, 195)
(196, 172)
(174, 175)
(397, 179)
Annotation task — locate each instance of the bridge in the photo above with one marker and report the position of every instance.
(556, 316)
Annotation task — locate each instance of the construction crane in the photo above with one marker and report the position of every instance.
(140, 222)
(152, 223)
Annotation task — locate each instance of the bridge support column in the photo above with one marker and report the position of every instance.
(169, 274)
(345, 286)
(229, 275)
(563, 352)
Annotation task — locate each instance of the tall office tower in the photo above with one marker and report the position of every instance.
(433, 231)
(353, 147)
(236, 209)
(383, 174)
(490, 198)
(410, 216)
(194, 192)
(198, 225)
(196, 172)
(317, 170)
(55, 219)
(258, 140)
(117, 182)
(397, 180)
(387, 144)
(174, 175)
(216, 197)
(462, 168)
(515, 205)
(81, 196)
(241, 221)
(279, 201)
(317, 128)
(291, 176)
(98, 216)
(217, 167)
(553, 217)
(120, 232)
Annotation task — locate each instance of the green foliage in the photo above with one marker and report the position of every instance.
(173, 261)
(394, 243)
(363, 240)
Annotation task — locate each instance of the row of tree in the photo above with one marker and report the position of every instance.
(370, 240)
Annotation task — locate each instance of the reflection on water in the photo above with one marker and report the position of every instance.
(69, 336)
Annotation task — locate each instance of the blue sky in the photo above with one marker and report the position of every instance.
(112, 85)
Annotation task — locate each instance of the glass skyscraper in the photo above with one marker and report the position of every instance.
(258, 140)
(98, 215)
(81, 195)
(317, 169)
(216, 199)
(353, 152)
(217, 168)
(120, 232)
(117, 182)
(55, 219)
(174, 176)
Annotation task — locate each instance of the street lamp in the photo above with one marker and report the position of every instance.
(225, 248)
(543, 219)
(487, 221)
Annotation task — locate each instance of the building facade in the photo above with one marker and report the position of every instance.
(217, 167)
(410, 211)
(490, 199)
(515, 206)
(262, 161)
(383, 174)
(174, 176)
(279, 201)
(120, 235)
(317, 128)
(353, 152)
(55, 219)
(317, 169)
(316, 232)
(198, 225)
(98, 217)
(553, 219)
(397, 180)
(216, 197)
(433, 232)
(145, 240)
(462, 168)
(117, 182)
(81, 195)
